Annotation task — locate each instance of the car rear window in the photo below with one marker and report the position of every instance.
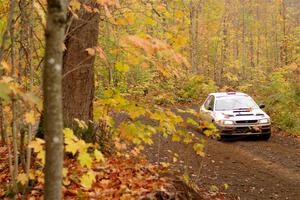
(235, 103)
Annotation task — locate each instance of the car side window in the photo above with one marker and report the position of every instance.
(211, 103)
(208, 102)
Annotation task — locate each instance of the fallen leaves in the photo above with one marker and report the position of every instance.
(117, 178)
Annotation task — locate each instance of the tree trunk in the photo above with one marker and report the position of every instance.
(243, 41)
(53, 119)
(194, 15)
(283, 52)
(31, 71)
(3, 42)
(224, 48)
(23, 40)
(14, 110)
(78, 67)
(252, 62)
(258, 35)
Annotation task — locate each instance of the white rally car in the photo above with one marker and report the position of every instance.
(235, 113)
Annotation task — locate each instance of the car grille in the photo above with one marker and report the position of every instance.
(246, 121)
(246, 130)
(244, 115)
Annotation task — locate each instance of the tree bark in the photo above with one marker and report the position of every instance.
(243, 41)
(4, 39)
(14, 109)
(283, 51)
(258, 35)
(78, 67)
(224, 48)
(31, 71)
(194, 17)
(53, 119)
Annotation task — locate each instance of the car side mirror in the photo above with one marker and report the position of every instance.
(262, 106)
(209, 108)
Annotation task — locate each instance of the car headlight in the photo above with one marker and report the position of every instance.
(264, 121)
(225, 122)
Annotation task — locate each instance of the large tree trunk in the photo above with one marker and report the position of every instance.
(53, 120)
(78, 68)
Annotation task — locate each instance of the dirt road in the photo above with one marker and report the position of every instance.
(252, 169)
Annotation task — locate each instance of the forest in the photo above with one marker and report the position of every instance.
(99, 99)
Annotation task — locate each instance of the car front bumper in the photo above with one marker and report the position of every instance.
(244, 130)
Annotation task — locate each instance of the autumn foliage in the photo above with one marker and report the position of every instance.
(139, 60)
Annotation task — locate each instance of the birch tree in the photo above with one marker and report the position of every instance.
(53, 119)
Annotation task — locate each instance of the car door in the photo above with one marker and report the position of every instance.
(207, 108)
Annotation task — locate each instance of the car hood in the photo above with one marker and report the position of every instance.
(254, 114)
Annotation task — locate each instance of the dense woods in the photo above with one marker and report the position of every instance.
(75, 64)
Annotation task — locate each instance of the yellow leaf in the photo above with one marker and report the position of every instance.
(22, 178)
(69, 136)
(37, 145)
(65, 172)
(85, 159)
(68, 133)
(82, 146)
(148, 140)
(75, 5)
(175, 138)
(81, 123)
(199, 149)
(134, 111)
(29, 118)
(71, 147)
(99, 156)
(226, 186)
(31, 175)
(186, 178)
(88, 179)
(41, 156)
(40, 176)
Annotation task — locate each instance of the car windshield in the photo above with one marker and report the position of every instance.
(235, 103)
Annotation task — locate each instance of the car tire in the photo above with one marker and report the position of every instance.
(266, 137)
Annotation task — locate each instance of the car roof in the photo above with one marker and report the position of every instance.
(228, 94)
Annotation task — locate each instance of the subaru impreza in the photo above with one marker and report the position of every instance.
(236, 114)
